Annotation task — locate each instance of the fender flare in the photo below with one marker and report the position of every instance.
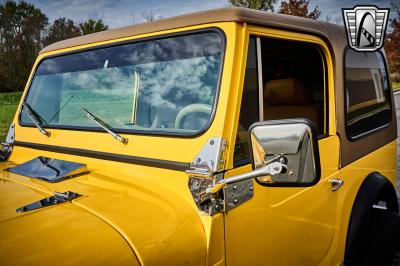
(374, 188)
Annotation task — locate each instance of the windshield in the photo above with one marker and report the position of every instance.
(167, 85)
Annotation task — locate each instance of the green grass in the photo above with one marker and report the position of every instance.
(8, 106)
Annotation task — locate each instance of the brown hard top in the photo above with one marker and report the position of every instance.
(241, 15)
(334, 36)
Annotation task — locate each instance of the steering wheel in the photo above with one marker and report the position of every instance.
(192, 108)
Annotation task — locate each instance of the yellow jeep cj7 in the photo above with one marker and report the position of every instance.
(225, 137)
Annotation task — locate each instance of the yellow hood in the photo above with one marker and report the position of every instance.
(120, 213)
(60, 235)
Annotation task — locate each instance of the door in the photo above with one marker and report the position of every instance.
(285, 78)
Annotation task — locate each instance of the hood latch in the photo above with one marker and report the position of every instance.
(57, 198)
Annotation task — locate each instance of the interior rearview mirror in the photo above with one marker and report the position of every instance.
(291, 142)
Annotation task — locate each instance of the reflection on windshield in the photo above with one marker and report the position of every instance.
(164, 85)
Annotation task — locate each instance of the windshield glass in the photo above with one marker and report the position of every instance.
(167, 85)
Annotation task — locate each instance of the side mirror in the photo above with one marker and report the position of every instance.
(284, 153)
(291, 142)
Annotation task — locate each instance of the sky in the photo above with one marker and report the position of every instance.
(118, 13)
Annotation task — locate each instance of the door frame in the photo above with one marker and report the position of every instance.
(242, 44)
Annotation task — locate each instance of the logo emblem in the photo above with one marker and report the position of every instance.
(366, 27)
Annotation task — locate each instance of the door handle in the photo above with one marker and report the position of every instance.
(336, 184)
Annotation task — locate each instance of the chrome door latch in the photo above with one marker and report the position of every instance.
(336, 184)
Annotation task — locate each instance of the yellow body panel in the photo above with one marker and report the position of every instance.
(150, 211)
(278, 220)
(53, 236)
(382, 161)
(151, 208)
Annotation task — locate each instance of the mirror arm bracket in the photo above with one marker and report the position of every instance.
(211, 192)
(271, 169)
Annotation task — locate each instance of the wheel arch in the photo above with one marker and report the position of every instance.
(373, 189)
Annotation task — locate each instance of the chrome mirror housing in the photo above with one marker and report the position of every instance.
(291, 142)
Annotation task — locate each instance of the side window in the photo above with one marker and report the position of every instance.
(367, 93)
(292, 85)
(249, 109)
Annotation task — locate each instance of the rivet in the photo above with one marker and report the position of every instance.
(212, 142)
(234, 187)
(251, 188)
(235, 201)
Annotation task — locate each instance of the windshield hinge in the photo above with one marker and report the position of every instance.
(57, 198)
(206, 170)
(211, 158)
(211, 192)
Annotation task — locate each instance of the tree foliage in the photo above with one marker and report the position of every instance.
(24, 31)
(392, 43)
(150, 15)
(61, 29)
(299, 8)
(92, 25)
(21, 33)
(263, 5)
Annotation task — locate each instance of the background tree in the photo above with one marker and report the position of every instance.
(150, 15)
(22, 27)
(263, 5)
(299, 8)
(61, 29)
(92, 25)
(392, 43)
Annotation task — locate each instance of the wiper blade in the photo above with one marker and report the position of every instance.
(104, 126)
(36, 119)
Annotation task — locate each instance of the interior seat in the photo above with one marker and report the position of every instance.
(291, 98)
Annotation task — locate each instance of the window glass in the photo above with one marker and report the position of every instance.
(367, 93)
(249, 110)
(293, 87)
(165, 85)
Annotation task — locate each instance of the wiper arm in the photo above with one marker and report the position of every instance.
(104, 126)
(36, 119)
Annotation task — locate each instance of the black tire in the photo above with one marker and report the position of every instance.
(383, 239)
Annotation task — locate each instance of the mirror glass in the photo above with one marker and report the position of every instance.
(291, 142)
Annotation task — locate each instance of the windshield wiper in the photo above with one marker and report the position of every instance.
(104, 126)
(36, 119)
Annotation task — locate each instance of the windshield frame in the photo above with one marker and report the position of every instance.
(200, 132)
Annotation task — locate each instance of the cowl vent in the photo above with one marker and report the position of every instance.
(49, 170)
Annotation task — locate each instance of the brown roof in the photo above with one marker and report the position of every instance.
(249, 16)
